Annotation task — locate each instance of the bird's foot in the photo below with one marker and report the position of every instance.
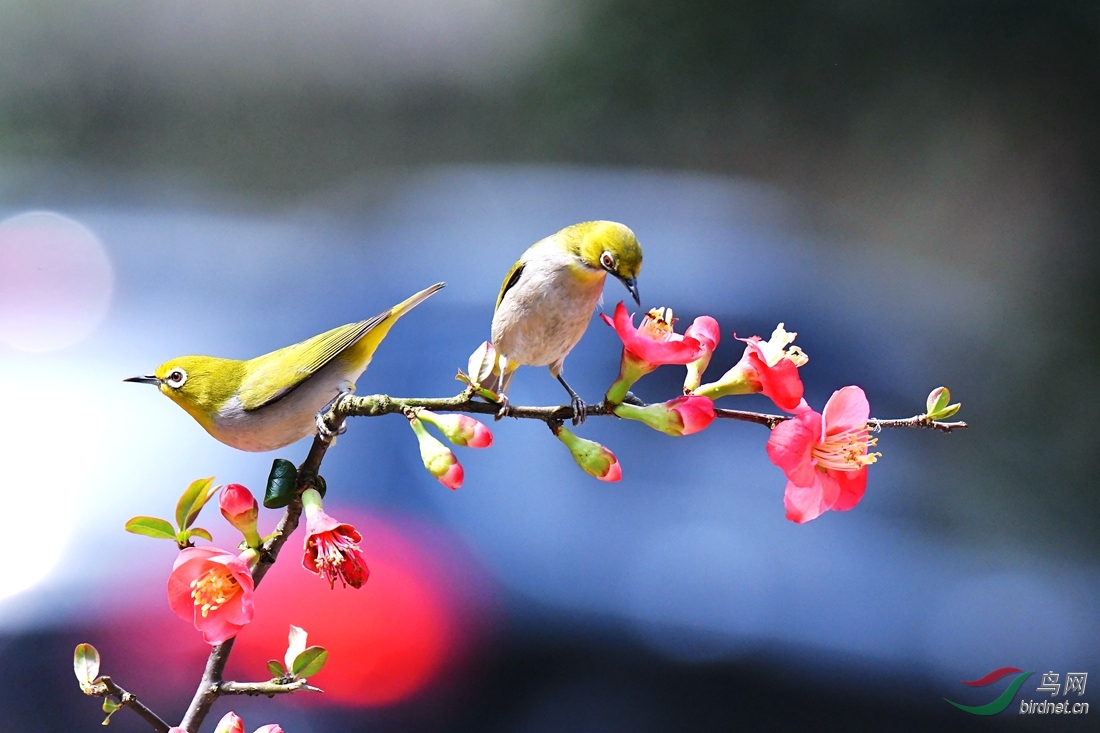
(505, 409)
(580, 410)
(331, 410)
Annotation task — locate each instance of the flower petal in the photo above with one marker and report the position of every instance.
(852, 484)
(847, 409)
(804, 503)
(791, 443)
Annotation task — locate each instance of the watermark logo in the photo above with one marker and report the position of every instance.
(1074, 682)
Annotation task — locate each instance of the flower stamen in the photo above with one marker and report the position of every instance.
(214, 589)
(846, 450)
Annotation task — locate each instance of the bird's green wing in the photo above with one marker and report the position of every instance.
(275, 375)
(510, 280)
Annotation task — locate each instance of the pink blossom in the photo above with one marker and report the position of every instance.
(331, 548)
(824, 455)
(212, 589)
(770, 367)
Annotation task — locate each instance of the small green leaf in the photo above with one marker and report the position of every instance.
(152, 527)
(109, 707)
(309, 662)
(193, 500)
(937, 400)
(276, 668)
(86, 665)
(946, 412)
(199, 532)
(282, 484)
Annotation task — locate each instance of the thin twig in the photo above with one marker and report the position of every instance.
(268, 689)
(106, 687)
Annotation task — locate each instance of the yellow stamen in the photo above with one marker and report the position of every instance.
(214, 589)
(658, 322)
(775, 348)
(847, 450)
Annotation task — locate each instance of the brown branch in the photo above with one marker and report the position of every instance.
(106, 687)
(268, 689)
(211, 686)
(380, 404)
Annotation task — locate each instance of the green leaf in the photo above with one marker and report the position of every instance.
(109, 707)
(309, 662)
(946, 412)
(276, 668)
(200, 532)
(937, 400)
(86, 665)
(282, 484)
(161, 529)
(193, 500)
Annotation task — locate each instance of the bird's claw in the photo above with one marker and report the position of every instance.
(324, 432)
(580, 410)
(505, 409)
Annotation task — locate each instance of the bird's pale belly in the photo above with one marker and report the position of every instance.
(283, 422)
(540, 331)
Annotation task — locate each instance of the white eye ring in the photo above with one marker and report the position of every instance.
(176, 378)
(607, 260)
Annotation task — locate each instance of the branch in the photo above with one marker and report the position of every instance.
(380, 404)
(211, 686)
(105, 687)
(269, 689)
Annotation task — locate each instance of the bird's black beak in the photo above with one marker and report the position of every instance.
(631, 284)
(150, 379)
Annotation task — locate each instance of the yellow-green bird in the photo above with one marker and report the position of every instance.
(549, 295)
(273, 400)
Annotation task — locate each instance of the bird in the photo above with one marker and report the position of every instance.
(273, 400)
(548, 298)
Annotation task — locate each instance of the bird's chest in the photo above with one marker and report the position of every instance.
(544, 315)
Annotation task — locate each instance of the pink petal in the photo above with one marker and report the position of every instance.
(675, 350)
(803, 503)
(452, 478)
(790, 444)
(705, 330)
(483, 437)
(780, 383)
(852, 485)
(614, 471)
(847, 409)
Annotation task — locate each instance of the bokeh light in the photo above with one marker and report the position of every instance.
(55, 281)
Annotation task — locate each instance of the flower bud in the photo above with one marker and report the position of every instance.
(459, 429)
(705, 330)
(230, 723)
(240, 509)
(438, 458)
(593, 458)
(681, 416)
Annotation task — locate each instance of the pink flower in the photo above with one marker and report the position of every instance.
(240, 509)
(593, 458)
(649, 346)
(705, 330)
(331, 548)
(459, 429)
(824, 456)
(680, 416)
(212, 589)
(769, 367)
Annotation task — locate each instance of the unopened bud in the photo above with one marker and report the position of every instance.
(438, 458)
(593, 458)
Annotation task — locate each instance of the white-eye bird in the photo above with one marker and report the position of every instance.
(273, 400)
(549, 295)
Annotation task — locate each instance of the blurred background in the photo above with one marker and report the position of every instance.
(911, 186)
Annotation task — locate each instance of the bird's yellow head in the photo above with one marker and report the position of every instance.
(608, 246)
(202, 385)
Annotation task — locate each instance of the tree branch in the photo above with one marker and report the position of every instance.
(211, 686)
(105, 687)
(380, 404)
(269, 689)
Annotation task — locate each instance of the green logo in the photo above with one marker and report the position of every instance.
(1005, 699)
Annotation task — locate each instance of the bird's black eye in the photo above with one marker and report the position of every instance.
(607, 261)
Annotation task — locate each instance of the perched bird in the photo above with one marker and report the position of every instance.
(273, 400)
(549, 295)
